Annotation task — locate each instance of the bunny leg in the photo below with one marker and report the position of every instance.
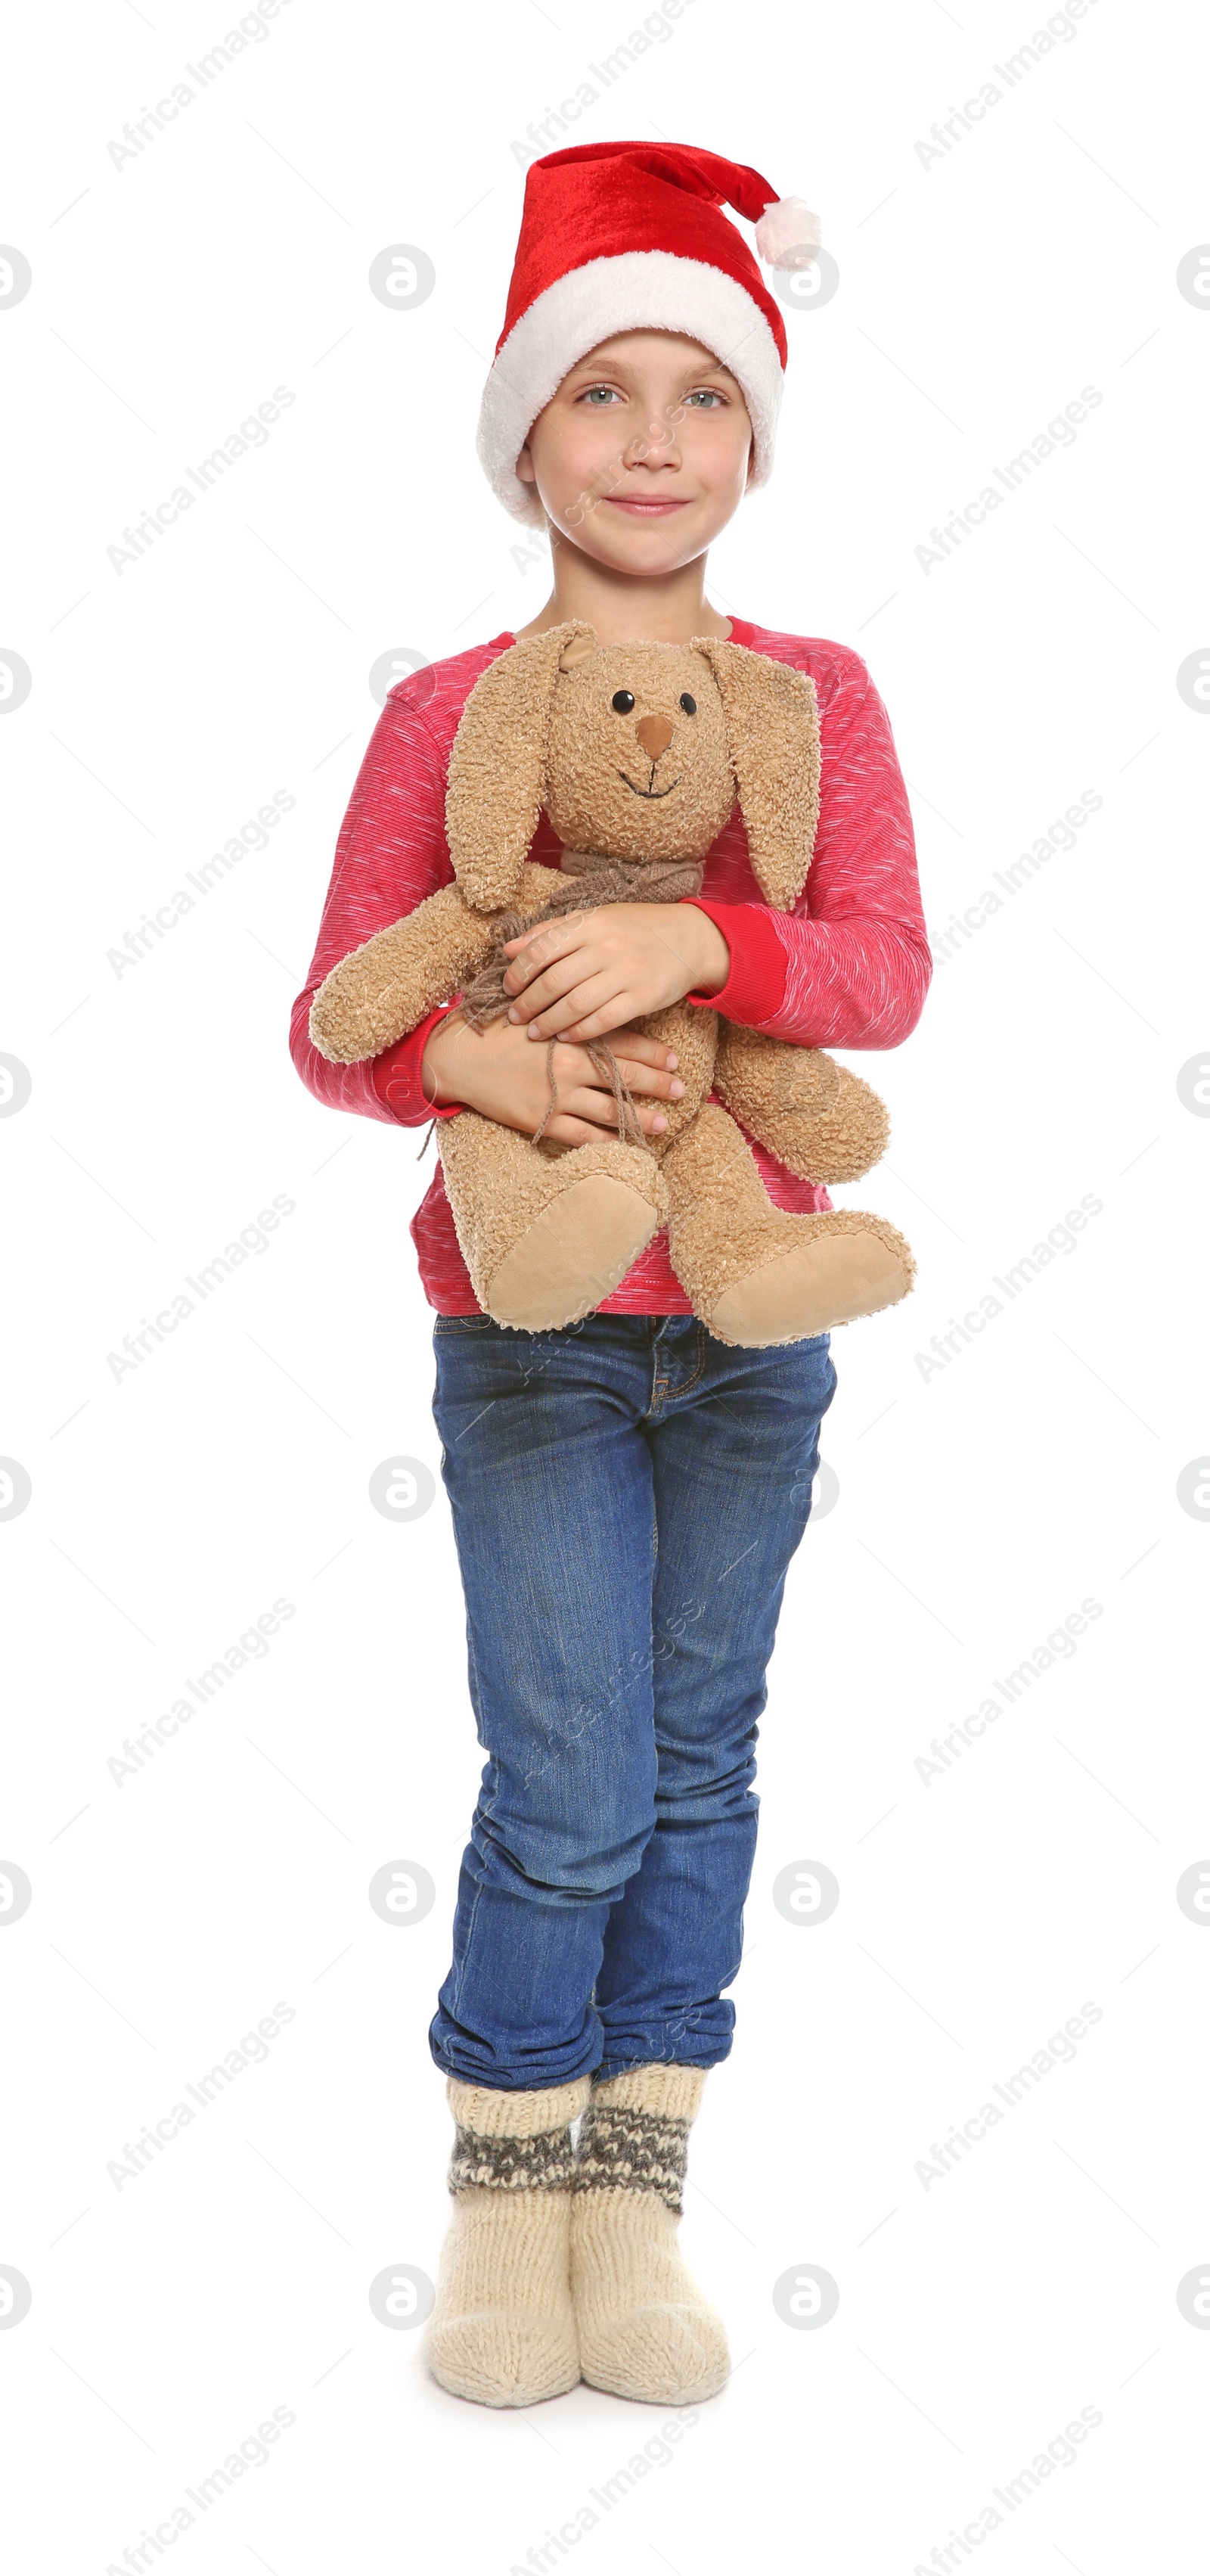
(756, 1276)
(546, 1236)
(821, 1121)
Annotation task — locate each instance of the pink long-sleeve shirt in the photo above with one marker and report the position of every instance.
(849, 967)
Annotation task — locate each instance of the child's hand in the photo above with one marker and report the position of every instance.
(592, 973)
(497, 1072)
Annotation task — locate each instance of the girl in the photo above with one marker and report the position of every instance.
(626, 1493)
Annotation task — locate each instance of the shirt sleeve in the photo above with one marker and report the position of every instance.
(398, 1076)
(756, 978)
(851, 965)
(391, 853)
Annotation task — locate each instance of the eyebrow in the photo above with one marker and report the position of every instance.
(622, 367)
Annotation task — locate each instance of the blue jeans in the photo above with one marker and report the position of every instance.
(627, 1495)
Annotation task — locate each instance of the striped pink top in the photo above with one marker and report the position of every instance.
(849, 967)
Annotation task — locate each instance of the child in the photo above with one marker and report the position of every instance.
(626, 1493)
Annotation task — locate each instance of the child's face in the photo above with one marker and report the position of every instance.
(642, 455)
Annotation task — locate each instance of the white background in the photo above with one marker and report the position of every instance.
(977, 1507)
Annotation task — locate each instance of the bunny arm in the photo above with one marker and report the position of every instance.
(386, 987)
(820, 1120)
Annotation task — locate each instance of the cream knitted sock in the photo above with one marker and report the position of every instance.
(645, 2330)
(502, 2330)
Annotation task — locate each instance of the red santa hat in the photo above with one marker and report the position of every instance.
(629, 237)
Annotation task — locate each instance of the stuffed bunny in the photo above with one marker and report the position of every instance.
(637, 753)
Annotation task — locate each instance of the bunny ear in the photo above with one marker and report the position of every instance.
(773, 736)
(495, 776)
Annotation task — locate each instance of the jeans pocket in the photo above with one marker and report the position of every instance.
(461, 1323)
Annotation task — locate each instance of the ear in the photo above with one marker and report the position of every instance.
(773, 737)
(495, 778)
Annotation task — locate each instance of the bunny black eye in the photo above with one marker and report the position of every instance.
(689, 704)
(622, 701)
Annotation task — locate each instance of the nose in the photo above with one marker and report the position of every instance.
(654, 735)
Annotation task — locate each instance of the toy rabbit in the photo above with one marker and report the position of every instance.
(637, 753)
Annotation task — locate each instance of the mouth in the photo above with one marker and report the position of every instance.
(661, 509)
(649, 792)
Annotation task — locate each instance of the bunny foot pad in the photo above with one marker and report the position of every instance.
(844, 1266)
(579, 1248)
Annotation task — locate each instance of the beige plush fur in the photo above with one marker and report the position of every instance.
(546, 1236)
(755, 1275)
(392, 983)
(820, 1120)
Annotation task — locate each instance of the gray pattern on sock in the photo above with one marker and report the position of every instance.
(544, 2163)
(632, 2151)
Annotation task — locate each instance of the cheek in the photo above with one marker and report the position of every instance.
(577, 453)
(716, 449)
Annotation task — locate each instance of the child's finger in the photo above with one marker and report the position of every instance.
(547, 983)
(640, 1049)
(576, 1074)
(646, 1083)
(541, 947)
(560, 986)
(603, 1010)
(538, 930)
(597, 1110)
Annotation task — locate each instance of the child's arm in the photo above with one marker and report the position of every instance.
(850, 967)
(391, 854)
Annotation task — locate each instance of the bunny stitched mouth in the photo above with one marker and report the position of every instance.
(648, 791)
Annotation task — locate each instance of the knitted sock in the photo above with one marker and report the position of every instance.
(645, 2330)
(502, 2330)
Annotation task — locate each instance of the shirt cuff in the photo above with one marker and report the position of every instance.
(756, 984)
(396, 1075)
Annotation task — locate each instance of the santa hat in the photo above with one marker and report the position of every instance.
(630, 237)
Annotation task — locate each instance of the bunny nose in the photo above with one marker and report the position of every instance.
(654, 734)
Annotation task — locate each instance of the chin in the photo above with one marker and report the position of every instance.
(648, 560)
(663, 541)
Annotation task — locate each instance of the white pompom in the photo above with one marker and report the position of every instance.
(787, 235)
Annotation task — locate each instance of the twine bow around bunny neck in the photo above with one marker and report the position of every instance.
(590, 880)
